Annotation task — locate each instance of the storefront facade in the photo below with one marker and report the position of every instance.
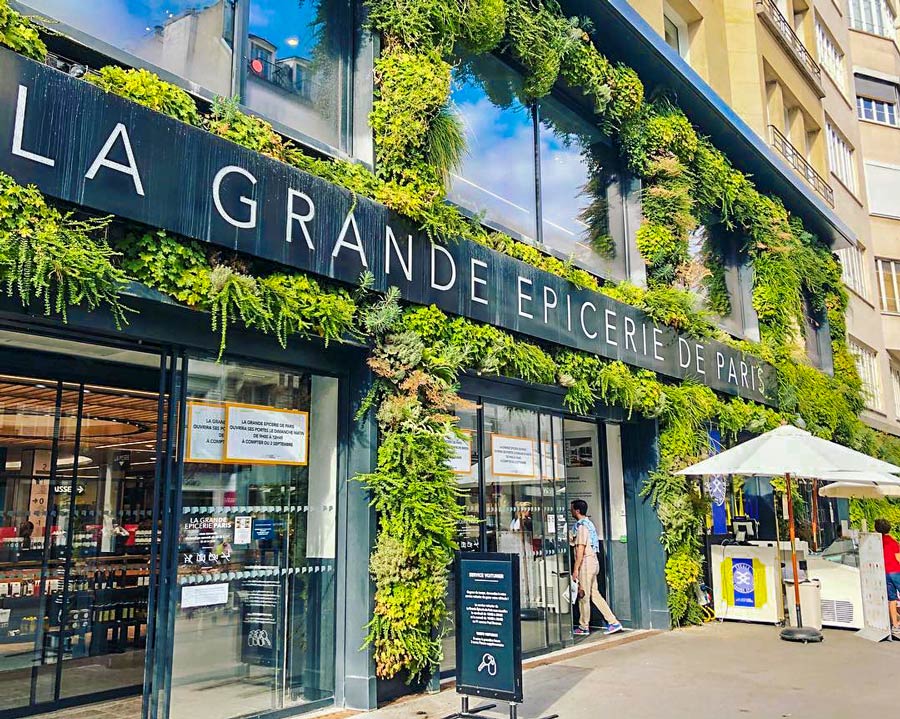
(184, 525)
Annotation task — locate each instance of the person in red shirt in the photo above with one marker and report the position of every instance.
(891, 570)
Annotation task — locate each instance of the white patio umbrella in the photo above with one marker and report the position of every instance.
(790, 452)
(852, 490)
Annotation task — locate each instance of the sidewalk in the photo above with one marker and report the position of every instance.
(717, 671)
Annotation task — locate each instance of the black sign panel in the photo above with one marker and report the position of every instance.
(488, 626)
(80, 144)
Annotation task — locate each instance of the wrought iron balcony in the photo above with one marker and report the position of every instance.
(778, 23)
(796, 160)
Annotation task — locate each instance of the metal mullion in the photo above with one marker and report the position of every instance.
(557, 553)
(168, 552)
(538, 208)
(70, 536)
(48, 526)
(543, 573)
(154, 565)
(482, 499)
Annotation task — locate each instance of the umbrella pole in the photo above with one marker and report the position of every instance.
(798, 633)
(815, 515)
(792, 534)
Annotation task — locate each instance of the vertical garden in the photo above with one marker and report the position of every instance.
(417, 354)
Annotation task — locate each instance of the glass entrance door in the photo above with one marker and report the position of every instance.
(78, 453)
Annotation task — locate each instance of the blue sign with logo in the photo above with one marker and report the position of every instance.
(716, 486)
(743, 581)
(263, 529)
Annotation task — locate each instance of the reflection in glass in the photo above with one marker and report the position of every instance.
(497, 174)
(189, 38)
(294, 70)
(520, 465)
(468, 483)
(577, 189)
(255, 615)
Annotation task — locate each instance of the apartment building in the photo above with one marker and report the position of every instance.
(818, 81)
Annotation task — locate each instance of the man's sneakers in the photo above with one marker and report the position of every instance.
(613, 629)
(579, 632)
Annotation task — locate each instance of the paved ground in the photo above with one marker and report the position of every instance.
(717, 671)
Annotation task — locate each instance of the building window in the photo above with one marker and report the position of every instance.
(895, 388)
(873, 16)
(867, 366)
(280, 562)
(840, 157)
(497, 176)
(579, 185)
(675, 32)
(888, 285)
(876, 100)
(883, 187)
(853, 266)
(297, 71)
(830, 56)
(183, 37)
(876, 110)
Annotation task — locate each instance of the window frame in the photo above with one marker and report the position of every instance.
(830, 55)
(888, 269)
(682, 32)
(239, 43)
(875, 17)
(866, 360)
(841, 157)
(853, 270)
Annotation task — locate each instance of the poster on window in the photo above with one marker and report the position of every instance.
(265, 435)
(205, 432)
(512, 456)
(460, 452)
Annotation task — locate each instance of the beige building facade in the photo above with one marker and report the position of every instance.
(818, 80)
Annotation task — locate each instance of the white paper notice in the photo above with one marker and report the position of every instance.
(264, 435)
(243, 528)
(206, 432)
(460, 453)
(203, 595)
(512, 456)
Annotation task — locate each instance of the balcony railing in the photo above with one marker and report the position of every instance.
(796, 160)
(769, 12)
(282, 76)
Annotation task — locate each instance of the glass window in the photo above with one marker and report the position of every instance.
(830, 55)
(867, 365)
(853, 265)
(580, 195)
(522, 457)
(296, 69)
(888, 278)
(255, 613)
(873, 16)
(673, 38)
(496, 178)
(189, 38)
(841, 157)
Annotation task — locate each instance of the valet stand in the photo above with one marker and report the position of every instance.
(466, 713)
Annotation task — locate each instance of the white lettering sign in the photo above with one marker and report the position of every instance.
(512, 456)
(203, 595)
(205, 433)
(265, 435)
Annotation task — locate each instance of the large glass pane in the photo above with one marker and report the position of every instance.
(189, 38)
(617, 535)
(497, 173)
(466, 467)
(295, 66)
(581, 201)
(515, 519)
(254, 627)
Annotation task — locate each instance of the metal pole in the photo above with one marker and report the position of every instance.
(792, 533)
(513, 710)
(815, 515)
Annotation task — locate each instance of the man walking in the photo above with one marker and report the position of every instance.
(587, 545)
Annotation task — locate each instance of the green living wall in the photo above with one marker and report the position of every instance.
(418, 353)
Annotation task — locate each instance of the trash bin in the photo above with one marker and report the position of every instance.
(810, 603)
